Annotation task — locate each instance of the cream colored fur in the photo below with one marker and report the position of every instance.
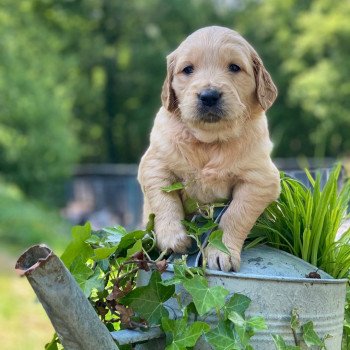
(226, 159)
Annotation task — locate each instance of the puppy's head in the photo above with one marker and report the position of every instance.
(215, 78)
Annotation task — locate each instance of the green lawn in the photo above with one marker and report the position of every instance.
(23, 321)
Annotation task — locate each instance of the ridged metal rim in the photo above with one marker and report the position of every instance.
(215, 273)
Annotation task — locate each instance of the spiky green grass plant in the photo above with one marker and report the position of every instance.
(305, 221)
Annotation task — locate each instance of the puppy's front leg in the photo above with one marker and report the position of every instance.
(249, 201)
(167, 207)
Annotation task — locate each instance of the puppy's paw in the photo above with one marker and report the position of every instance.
(218, 260)
(174, 238)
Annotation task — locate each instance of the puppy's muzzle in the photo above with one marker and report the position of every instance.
(209, 97)
(210, 106)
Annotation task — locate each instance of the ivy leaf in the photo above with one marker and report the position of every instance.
(240, 328)
(93, 282)
(209, 225)
(53, 343)
(80, 270)
(180, 270)
(310, 336)
(77, 246)
(215, 239)
(137, 247)
(130, 239)
(257, 323)
(222, 337)
(245, 329)
(180, 335)
(237, 319)
(204, 297)
(294, 321)
(174, 187)
(171, 281)
(148, 301)
(150, 223)
(103, 253)
(237, 303)
(115, 233)
(86, 277)
(190, 226)
(194, 228)
(190, 206)
(281, 345)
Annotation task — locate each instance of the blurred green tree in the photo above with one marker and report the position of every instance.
(37, 140)
(104, 63)
(121, 48)
(306, 47)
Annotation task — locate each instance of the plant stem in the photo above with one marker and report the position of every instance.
(296, 341)
(161, 255)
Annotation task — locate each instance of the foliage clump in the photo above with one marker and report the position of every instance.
(304, 221)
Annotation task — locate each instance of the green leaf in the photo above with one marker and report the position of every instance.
(245, 329)
(190, 226)
(281, 345)
(77, 246)
(310, 336)
(257, 323)
(195, 228)
(171, 281)
(93, 239)
(80, 270)
(222, 337)
(236, 319)
(294, 321)
(180, 335)
(130, 239)
(243, 334)
(94, 282)
(237, 303)
(86, 277)
(190, 206)
(150, 223)
(180, 270)
(148, 301)
(204, 297)
(103, 253)
(53, 343)
(209, 225)
(137, 247)
(115, 232)
(241, 329)
(215, 239)
(174, 187)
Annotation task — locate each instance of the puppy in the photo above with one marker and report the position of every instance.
(211, 134)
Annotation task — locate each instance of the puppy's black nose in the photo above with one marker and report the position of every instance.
(209, 97)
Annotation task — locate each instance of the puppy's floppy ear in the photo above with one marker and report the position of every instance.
(266, 90)
(168, 94)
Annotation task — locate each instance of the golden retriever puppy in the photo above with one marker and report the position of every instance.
(211, 134)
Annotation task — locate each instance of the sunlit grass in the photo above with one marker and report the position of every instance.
(23, 222)
(23, 322)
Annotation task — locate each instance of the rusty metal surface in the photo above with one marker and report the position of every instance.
(74, 319)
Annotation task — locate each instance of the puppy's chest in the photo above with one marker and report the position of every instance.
(208, 173)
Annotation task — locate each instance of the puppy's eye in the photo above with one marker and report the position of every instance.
(188, 70)
(234, 68)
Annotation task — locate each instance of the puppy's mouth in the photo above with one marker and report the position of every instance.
(210, 114)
